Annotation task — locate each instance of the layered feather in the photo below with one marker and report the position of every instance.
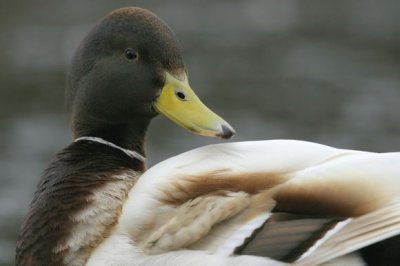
(220, 199)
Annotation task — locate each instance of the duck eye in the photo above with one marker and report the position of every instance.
(130, 54)
(181, 95)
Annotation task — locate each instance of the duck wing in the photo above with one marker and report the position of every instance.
(289, 200)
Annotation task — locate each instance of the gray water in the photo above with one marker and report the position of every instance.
(321, 71)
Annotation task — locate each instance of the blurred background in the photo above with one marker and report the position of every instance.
(321, 71)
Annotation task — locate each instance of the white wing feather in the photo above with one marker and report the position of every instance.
(342, 181)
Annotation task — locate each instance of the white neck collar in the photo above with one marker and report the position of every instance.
(132, 154)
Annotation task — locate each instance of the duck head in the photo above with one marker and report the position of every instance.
(128, 69)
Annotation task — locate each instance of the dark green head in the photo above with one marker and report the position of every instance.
(119, 68)
(119, 73)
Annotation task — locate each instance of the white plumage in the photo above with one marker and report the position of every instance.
(198, 207)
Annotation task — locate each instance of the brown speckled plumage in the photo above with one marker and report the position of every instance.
(68, 187)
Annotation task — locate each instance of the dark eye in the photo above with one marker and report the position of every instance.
(181, 95)
(130, 54)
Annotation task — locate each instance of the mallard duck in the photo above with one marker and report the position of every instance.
(250, 203)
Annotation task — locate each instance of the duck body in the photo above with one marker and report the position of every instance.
(216, 205)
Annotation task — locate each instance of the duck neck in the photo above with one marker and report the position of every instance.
(131, 136)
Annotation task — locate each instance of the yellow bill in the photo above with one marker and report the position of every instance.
(179, 103)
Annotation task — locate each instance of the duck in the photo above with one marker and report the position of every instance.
(271, 202)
